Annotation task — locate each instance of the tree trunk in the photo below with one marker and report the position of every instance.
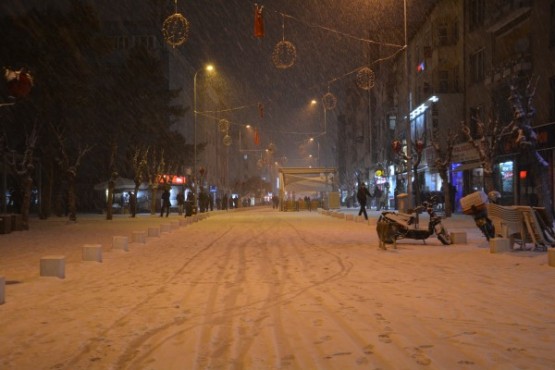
(110, 200)
(153, 194)
(489, 183)
(71, 198)
(46, 193)
(26, 188)
(446, 192)
(541, 181)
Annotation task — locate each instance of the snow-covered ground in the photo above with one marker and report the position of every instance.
(262, 289)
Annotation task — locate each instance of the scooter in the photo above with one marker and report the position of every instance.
(393, 226)
(480, 212)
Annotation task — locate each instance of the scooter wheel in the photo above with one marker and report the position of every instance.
(444, 238)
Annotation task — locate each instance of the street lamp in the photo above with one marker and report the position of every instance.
(318, 143)
(207, 68)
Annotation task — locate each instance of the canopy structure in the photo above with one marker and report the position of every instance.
(120, 184)
(305, 180)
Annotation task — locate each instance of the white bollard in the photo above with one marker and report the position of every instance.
(53, 266)
(92, 252)
(2, 289)
(138, 237)
(120, 242)
(153, 231)
(498, 245)
(458, 237)
(165, 228)
(551, 257)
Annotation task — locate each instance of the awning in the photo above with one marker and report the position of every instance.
(309, 180)
(120, 184)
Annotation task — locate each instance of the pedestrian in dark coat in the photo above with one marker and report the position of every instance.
(165, 203)
(362, 196)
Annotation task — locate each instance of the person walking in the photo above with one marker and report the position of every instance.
(180, 202)
(165, 203)
(362, 196)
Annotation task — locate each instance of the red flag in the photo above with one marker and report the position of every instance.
(258, 21)
(256, 137)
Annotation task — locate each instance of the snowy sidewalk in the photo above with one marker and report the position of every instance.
(262, 289)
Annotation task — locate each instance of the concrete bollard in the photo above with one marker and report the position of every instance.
(120, 242)
(458, 237)
(53, 266)
(153, 231)
(551, 257)
(92, 252)
(138, 237)
(498, 245)
(349, 217)
(2, 290)
(165, 228)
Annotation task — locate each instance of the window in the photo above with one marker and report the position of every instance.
(443, 81)
(455, 78)
(477, 66)
(443, 34)
(476, 13)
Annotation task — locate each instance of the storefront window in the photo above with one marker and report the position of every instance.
(507, 178)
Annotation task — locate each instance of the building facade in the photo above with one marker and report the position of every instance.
(459, 67)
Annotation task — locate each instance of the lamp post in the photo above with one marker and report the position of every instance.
(207, 68)
(318, 153)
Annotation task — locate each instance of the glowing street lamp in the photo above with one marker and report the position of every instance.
(208, 68)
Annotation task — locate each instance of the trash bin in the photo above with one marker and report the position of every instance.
(402, 202)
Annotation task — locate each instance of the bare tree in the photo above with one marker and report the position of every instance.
(112, 181)
(69, 164)
(154, 169)
(24, 168)
(413, 160)
(139, 167)
(486, 142)
(443, 160)
(524, 113)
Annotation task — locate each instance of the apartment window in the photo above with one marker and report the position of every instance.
(123, 43)
(443, 81)
(477, 66)
(443, 34)
(476, 13)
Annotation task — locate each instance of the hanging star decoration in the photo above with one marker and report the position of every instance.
(175, 29)
(284, 53)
